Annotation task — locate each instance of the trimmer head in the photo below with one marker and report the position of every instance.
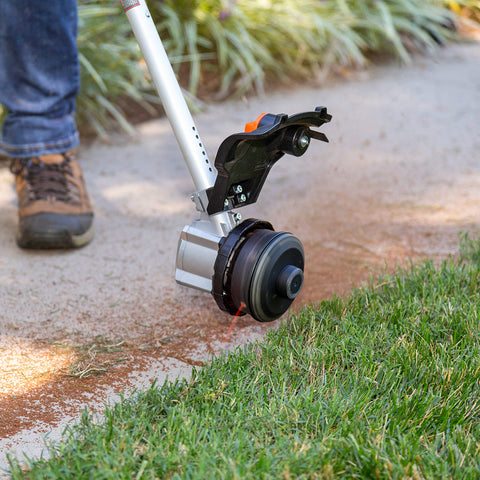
(258, 268)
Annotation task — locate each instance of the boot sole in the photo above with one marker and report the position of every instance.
(57, 238)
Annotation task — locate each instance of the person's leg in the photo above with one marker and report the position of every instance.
(39, 82)
(39, 76)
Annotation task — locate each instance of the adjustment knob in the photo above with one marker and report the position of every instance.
(289, 282)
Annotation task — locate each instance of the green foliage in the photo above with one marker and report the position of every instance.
(3, 113)
(383, 384)
(470, 4)
(109, 58)
(468, 8)
(251, 40)
(234, 47)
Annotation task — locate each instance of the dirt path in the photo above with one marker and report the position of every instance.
(399, 180)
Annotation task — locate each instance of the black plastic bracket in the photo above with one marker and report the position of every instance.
(244, 160)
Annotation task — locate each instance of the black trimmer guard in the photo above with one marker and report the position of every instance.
(244, 160)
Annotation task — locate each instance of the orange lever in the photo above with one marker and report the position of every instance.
(251, 126)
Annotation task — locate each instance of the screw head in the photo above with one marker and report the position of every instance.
(304, 141)
(226, 203)
(243, 198)
(238, 189)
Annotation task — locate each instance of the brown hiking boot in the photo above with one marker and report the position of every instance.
(54, 208)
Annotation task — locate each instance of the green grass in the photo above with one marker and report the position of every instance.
(383, 384)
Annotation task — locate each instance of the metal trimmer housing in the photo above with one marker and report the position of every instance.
(247, 266)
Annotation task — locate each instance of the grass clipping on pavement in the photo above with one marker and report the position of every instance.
(382, 384)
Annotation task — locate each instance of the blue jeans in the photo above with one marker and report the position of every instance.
(39, 76)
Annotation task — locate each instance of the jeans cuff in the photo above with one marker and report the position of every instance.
(35, 150)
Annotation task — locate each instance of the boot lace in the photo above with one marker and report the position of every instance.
(47, 180)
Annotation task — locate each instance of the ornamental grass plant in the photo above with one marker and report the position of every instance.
(248, 42)
(466, 8)
(110, 68)
(233, 47)
(230, 48)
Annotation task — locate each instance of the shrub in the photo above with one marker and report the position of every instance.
(230, 47)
